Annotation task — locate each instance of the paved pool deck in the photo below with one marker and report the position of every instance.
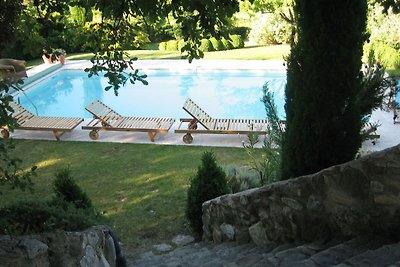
(389, 132)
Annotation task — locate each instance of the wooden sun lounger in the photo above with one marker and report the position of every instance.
(104, 118)
(216, 126)
(28, 121)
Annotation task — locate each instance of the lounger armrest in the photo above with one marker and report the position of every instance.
(186, 119)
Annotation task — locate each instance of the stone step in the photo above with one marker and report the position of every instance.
(383, 256)
(337, 253)
(294, 255)
(226, 254)
(354, 252)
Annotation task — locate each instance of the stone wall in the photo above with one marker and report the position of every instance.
(355, 198)
(94, 247)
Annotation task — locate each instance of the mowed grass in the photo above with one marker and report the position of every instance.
(140, 188)
(274, 52)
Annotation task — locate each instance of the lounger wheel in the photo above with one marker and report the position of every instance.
(94, 135)
(5, 133)
(188, 138)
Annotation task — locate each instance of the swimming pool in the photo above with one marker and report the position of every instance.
(222, 94)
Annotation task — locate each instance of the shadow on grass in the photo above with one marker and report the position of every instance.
(140, 188)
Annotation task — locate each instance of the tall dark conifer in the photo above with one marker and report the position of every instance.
(323, 119)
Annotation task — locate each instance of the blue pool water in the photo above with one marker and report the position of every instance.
(222, 94)
(398, 95)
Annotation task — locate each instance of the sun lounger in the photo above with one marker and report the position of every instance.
(104, 118)
(27, 121)
(216, 126)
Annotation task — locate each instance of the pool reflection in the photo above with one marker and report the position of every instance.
(222, 94)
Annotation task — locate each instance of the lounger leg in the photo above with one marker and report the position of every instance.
(58, 134)
(152, 135)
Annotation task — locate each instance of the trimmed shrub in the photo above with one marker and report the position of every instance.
(237, 41)
(209, 182)
(221, 45)
(242, 31)
(67, 190)
(206, 45)
(162, 46)
(226, 44)
(172, 45)
(216, 44)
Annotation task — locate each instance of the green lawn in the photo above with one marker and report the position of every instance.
(141, 188)
(274, 52)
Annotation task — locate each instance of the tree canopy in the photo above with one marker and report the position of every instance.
(387, 4)
(195, 19)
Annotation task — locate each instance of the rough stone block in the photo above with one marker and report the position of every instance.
(258, 235)
(182, 240)
(242, 235)
(228, 231)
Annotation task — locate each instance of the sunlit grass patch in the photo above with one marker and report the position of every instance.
(140, 188)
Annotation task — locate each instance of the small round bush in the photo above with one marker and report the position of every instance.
(221, 45)
(216, 44)
(242, 31)
(162, 46)
(172, 45)
(206, 45)
(209, 182)
(226, 44)
(66, 189)
(237, 41)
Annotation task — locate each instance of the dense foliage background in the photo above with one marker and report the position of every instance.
(77, 26)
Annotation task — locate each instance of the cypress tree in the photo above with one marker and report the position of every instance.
(323, 79)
